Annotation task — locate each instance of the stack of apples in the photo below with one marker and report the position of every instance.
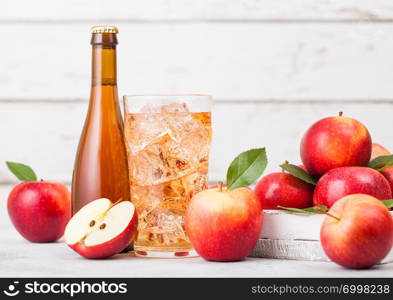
(338, 177)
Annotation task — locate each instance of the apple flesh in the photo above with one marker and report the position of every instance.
(358, 232)
(224, 225)
(344, 181)
(101, 229)
(335, 142)
(40, 210)
(285, 190)
(378, 150)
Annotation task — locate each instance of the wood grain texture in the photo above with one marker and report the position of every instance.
(190, 10)
(245, 61)
(289, 249)
(296, 250)
(45, 134)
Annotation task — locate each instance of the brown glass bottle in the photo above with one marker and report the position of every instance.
(100, 169)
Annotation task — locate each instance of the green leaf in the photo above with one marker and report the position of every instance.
(299, 173)
(21, 171)
(388, 203)
(320, 209)
(246, 168)
(381, 162)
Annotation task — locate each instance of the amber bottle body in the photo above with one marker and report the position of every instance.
(100, 169)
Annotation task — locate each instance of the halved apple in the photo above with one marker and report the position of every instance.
(101, 229)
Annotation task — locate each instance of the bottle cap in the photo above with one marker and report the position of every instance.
(104, 29)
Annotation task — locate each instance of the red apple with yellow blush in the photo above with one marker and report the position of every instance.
(335, 142)
(224, 225)
(357, 231)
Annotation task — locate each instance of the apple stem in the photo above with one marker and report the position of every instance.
(332, 216)
(327, 213)
(340, 114)
(113, 204)
(220, 183)
(41, 180)
(285, 163)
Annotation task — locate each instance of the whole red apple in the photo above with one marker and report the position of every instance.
(285, 190)
(224, 225)
(40, 210)
(357, 232)
(335, 142)
(344, 181)
(378, 150)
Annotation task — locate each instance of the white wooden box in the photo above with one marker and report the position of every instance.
(287, 235)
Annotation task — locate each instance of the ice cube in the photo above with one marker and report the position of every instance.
(169, 225)
(162, 227)
(173, 196)
(174, 108)
(146, 198)
(195, 183)
(143, 130)
(165, 146)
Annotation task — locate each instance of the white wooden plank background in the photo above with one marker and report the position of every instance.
(190, 10)
(273, 68)
(45, 134)
(253, 61)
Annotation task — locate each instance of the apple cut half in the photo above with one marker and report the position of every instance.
(102, 229)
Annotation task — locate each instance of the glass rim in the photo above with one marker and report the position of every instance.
(195, 102)
(166, 95)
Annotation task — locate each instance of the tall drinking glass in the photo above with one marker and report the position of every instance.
(168, 141)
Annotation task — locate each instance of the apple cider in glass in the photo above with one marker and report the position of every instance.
(168, 142)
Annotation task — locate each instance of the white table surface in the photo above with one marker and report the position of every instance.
(20, 258)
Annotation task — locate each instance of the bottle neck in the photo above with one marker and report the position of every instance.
(104, 59)
(104, 65)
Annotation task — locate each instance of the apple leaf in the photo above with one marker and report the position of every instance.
(381, 162)
(298, 173)
(320, 209)
(246, 168)
(21, 171)
(388, 203)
